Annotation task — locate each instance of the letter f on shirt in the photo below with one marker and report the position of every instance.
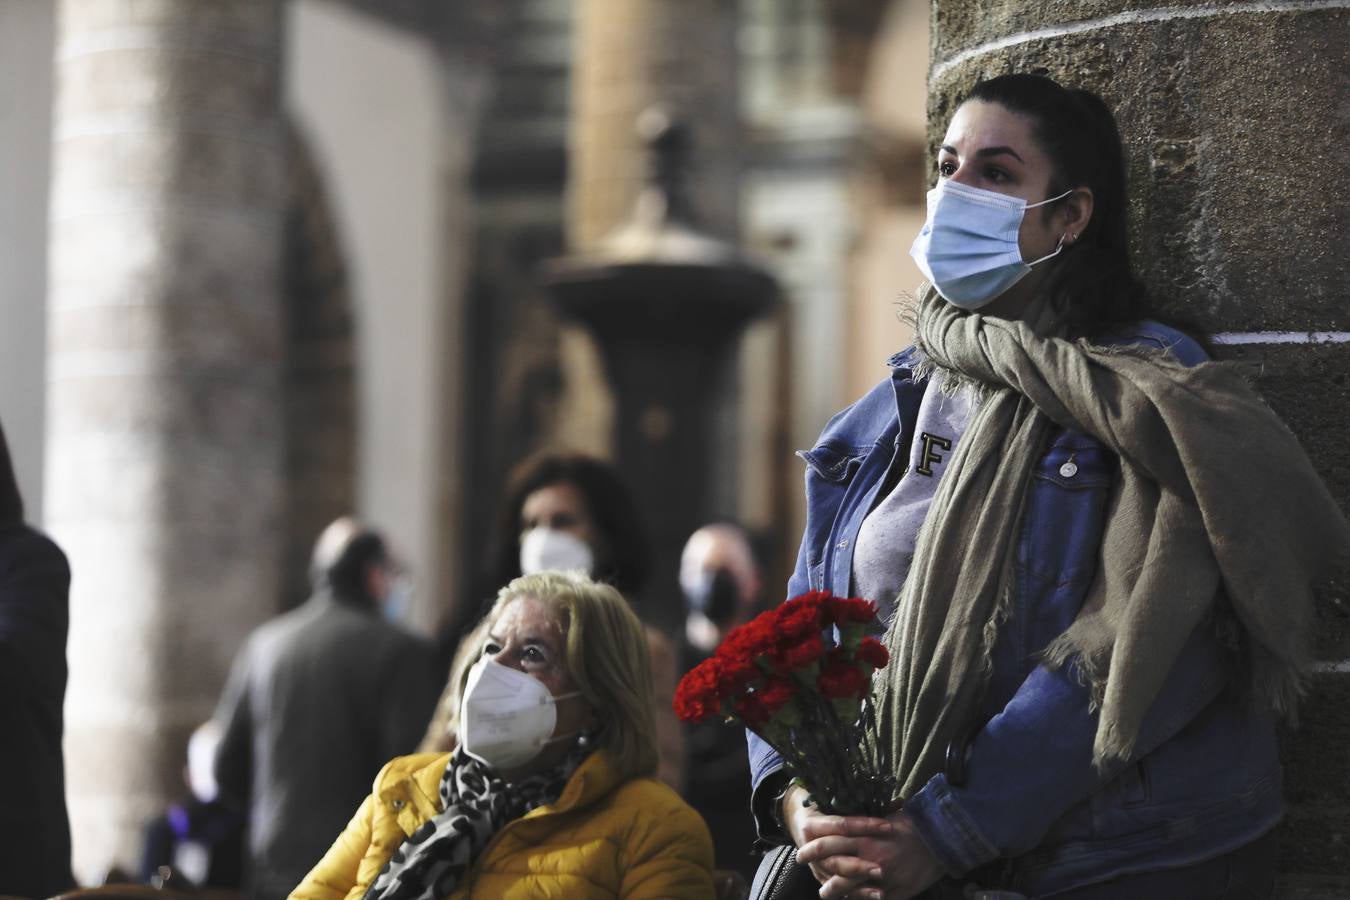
(929, 455)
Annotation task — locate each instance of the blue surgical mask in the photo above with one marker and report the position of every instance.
(398, 600)
(968, 245)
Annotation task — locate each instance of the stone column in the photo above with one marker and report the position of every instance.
(631, 54)
(164, 453)
(1234, 118)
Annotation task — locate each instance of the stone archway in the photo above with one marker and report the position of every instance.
(319, 368)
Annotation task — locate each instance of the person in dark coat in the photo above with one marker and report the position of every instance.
(316, 702)
(34, 616)
(721, 583)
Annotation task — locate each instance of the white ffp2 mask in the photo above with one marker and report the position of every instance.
(506, 717)
(546, 550)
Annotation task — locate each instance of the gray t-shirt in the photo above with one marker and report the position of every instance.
(885, 544)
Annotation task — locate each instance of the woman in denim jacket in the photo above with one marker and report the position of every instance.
(1109, 598)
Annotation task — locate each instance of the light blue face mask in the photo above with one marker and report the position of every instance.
(399, 599)
(968, 245)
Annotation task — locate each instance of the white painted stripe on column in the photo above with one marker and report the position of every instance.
(145, 121)
(118, 363)
(1135, 17)
(1339, 666)
(1281, 337)
(242, 43)
(119, 204)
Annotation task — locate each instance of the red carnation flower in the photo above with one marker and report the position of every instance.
(697, 698)
(800, 655)
(752, 711)
(797, 675)
(776, 693)
(754, 638)
(845, 610)
(873, 652)
(733, 674)
(801, 616)
(840, 678)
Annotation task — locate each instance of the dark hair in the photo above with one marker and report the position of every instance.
(11, 501)
(1093, 282)
(342, 555)
(624, 561)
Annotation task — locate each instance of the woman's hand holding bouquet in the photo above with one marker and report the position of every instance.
(800, 677)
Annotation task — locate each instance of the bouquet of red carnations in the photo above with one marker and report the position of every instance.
(800, 677)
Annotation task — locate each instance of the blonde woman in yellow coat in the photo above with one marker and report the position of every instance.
(549, 793)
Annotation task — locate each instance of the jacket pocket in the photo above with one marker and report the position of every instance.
(831, 463)
(1075, 466)
(1061, 538)
(829, 471)
(1066, 507)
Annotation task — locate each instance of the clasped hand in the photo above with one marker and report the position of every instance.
(860, 857)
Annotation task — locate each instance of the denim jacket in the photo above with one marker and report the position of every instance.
(1206, 776)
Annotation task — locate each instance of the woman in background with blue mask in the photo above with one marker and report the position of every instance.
(1093, 551)
(550, 792)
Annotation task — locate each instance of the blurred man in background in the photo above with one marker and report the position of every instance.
(316, 702)
(721, 584)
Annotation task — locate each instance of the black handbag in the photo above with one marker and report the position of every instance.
(781, 877)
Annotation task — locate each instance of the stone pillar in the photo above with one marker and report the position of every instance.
(1233, 114)
(631, 54)
(164, 452)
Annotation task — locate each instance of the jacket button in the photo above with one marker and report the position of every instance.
(399, 804)
(1069, 469)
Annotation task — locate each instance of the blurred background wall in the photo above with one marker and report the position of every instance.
(27, 33)
(388, 136)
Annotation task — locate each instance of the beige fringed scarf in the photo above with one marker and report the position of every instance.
(1213, 490)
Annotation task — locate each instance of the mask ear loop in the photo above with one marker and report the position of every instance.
(1058, 248)
(581, 736)
(1051, 199)
(1060, 245)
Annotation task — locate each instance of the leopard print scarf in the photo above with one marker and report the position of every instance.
(476, 803)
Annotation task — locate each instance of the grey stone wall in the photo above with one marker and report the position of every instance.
(164, 453)
(630, 54)
(1233, 115)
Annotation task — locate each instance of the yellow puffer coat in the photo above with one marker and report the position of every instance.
(602, 838)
